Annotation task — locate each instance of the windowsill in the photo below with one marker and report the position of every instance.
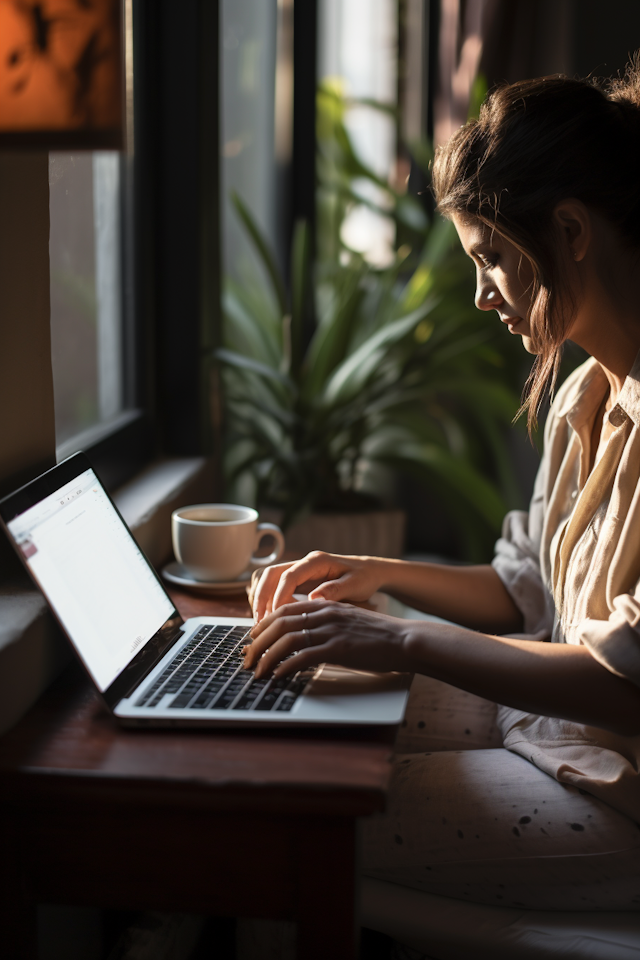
(32, 650)
(92, 435)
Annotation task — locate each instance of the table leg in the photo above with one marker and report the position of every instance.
(18, 914)
(327, 891)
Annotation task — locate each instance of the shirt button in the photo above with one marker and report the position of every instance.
(617, 416)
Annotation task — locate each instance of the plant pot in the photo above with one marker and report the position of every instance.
(378, 533)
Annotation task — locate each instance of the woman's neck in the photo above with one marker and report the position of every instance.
(606, 287)
(615, 353)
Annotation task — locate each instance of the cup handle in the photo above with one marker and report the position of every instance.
(262, 530)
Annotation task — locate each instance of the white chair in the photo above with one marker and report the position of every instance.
(455, 930)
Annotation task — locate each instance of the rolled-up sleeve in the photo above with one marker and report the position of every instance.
(615, 642)
(517, 564)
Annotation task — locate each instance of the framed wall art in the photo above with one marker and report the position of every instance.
(61, 74)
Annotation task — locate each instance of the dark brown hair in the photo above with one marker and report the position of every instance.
(535, 143)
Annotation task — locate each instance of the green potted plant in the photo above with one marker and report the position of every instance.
(400, 368)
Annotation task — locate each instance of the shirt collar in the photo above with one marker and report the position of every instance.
(581, 403)
(629, 396)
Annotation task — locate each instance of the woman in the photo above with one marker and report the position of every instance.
(544, 192)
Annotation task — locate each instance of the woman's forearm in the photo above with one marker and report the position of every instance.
(473, 596)
(550, 679)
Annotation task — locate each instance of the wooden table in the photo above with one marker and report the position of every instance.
(242, 823)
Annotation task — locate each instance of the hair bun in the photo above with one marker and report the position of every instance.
(626, 90)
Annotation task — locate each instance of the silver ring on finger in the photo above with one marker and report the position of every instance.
(304, 615)
(306, 634)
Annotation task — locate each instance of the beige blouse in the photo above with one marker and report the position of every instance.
(572, 566)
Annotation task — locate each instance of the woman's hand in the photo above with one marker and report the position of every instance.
(327, 632)
(330, 576)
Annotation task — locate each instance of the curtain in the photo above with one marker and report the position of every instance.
(506, 40)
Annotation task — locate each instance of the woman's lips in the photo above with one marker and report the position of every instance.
(512, 322)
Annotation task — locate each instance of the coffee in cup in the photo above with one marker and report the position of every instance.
(217, 541)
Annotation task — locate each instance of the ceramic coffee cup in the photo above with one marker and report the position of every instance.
(217, 541)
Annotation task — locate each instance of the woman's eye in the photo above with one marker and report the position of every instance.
(488, 262)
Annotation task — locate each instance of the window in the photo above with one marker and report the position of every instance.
(256, 108)
(358, 50)
(85, 259)
(130, 360)
(96, 326)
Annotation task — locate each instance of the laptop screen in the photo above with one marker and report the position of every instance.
(93, 574)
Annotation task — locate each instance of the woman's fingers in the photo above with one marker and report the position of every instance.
(253, 585)
(314, 567)
(294, 650)
(317, 631)
(261, 595)
(336, 577)
(342, 588)
(279, 582)
(292, 618)
(328, 576)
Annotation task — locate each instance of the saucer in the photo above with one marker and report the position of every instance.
(176, 574)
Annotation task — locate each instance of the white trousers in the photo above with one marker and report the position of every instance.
(470, 820)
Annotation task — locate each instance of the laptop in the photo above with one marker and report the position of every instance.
(151, 667)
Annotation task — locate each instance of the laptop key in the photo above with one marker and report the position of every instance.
(286, 702)
(268, 700)
(180, 701)
(207, 672)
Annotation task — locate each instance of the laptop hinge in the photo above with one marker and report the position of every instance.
(144, 662)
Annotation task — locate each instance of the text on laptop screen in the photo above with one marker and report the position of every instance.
(97, 580)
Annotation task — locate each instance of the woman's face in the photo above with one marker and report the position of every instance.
(503, 276)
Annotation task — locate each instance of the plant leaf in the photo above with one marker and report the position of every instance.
(248, 363)
(244, 333)
(331, 339)
(354, 371)
(263, 251)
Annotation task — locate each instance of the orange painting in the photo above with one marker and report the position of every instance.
(61, 73)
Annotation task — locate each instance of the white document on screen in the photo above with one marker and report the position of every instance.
(93, 574)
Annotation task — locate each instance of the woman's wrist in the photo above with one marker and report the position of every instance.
(390, 574)
(415, 645)
(433, 648)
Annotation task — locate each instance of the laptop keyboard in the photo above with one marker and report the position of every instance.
(208, 674)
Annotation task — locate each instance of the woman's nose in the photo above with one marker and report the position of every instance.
(487, 295)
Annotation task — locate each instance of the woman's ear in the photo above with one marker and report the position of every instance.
(574, 221)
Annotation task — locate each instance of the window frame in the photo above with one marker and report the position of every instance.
(177, 245)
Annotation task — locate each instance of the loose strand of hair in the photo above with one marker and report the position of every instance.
(540, 383)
